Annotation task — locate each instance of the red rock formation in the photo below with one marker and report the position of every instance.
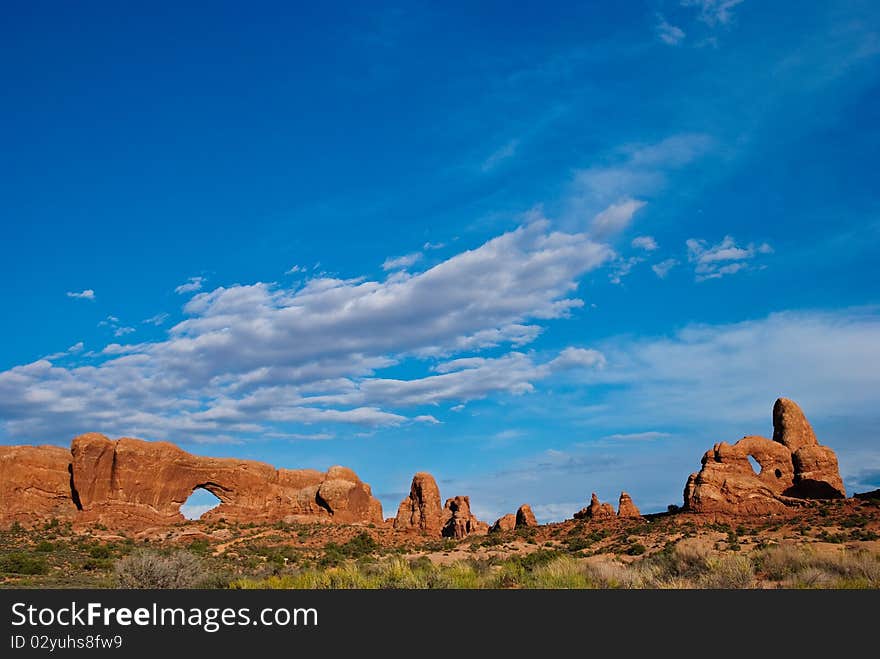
(626, 507)
(35, 484)
(504, 523)
(130, 482)
(793, 466)
(457, 520)
(525, 517)
(595, 510)
(420, 511)
(790, 426)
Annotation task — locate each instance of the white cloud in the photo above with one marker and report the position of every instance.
(72, 350)
(714, 12)
(122, 331)
(192, 284)
(638, 436)
(193, 511)
(671, 35)
(295, 269)
(505, 152)
(622, 267)
(662, 269)
(632, 171)
(402, 262)
(824, 360)
(429, 246)
(646, 243)
(724, 258)
(615, 218)
(578, 358)
(87, 294)
(311, 437)
(156, 320)
(250, 359)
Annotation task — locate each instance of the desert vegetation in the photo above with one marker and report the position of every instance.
(831, 545)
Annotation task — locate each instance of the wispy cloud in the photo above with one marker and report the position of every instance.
(87, 294)
(191, 285)
(72, 350)
(401, 262)
(122, 331)
(724, 258)
(615, 218)
(502, 154)
(671, 35)
(630, 172)
(622, 267)
(429, 246)
(295, 269)
(662, 269)
(646, 243)
(156, 320)
(648, 435)
(714, 12)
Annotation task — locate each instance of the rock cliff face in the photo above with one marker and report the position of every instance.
(131, 482)
(35, 484)
(793, 467)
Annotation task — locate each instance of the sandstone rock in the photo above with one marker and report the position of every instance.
(790, 426)
(596, 510)
(458, 521)
(35, 484)
(131, 482)
(420, 511)
(525, 517)
(504, 523)
(817, 475)
(793, 466)
(626, 507)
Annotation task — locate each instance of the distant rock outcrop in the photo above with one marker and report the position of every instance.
(525, 517)
(420, 511)
(596, 510)
(505, 523)
(131, 482)
(626, 507)
(458, 521)
(794, 466)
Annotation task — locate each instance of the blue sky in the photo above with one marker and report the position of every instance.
(538, 251)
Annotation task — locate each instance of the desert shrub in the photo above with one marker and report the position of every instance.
(783, 561)
(811, 577)
(561, 572)
(360, 545)
(100, 551)
(636, 549)
(459, 575)
(44, 546)
(20, 563)
(685, 560)
(611, 574)
(149, 569)
(201, 547)
(729, 572)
